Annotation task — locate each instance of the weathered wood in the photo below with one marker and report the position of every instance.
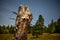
(14, 12)
(23, 21)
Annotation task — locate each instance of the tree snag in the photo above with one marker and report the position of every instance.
(23, 20)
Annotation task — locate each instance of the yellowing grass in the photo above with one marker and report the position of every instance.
(6, 36)
(45, 36)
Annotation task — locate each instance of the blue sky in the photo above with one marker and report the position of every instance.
(49, 9)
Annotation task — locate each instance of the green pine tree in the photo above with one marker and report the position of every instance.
(38, 29)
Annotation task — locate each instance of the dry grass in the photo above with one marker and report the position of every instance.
(45, 36)
(6, 36)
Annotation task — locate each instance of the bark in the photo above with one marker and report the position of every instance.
(23, 21)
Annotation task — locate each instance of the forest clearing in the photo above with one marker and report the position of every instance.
(44, 36)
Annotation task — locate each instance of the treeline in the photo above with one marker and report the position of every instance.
(54, 27)
(6, 29)
(38, 29)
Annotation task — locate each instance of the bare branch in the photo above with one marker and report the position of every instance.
(14, 12)
(11, 18)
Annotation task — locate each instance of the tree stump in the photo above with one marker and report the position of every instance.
(22, 23)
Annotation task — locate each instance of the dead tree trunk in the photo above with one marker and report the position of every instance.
(23, 21)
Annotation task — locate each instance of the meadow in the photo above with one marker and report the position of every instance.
(44, 36)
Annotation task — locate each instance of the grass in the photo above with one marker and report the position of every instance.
(45, 36)
(6, 36)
